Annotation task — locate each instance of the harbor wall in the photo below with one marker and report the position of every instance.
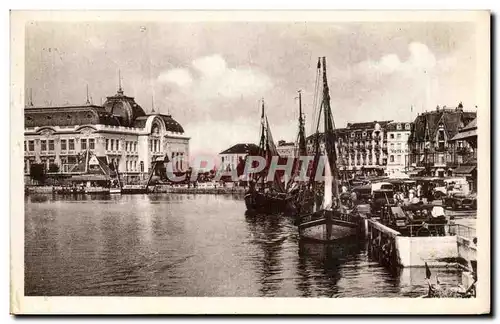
(158, 189)
(435, 250)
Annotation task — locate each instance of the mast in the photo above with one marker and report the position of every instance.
(262, 145)
(302, 137)
(329, 134)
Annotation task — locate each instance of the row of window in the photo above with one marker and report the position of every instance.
(114, 145)
(399, 136)
(65, 144)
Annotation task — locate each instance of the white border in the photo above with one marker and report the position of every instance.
(141, 305)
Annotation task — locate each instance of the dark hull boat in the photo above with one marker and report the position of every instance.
(268, 203)
(328, 226)
(268, 197)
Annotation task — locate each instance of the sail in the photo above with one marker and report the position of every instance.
(273, 151)
(327, 196)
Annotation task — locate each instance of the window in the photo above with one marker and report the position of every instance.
(71, 144)
(135, 165)
(391, 136)
(117, 145)
(83, 144)
(126, 147)
(51, 145)
(63, 145)
(107, 144)
(112, 144)
(398, 126)
(399, 136)
(407, 126)
(25, 151)
(398, 146)
(135, 146)
(91, 143)
(31, 146)
(398, 159)
(391, 159)
(43, 145)
(352, 134)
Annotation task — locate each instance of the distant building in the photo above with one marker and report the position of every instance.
(230, 158)
(286, 149)
(360, 147)
(119, 131)
(467, 154)
(432, 150)
(397, 146)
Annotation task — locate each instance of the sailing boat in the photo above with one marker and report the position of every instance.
(330, 221)
(267, 195)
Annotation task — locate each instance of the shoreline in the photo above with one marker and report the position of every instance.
(139, 190)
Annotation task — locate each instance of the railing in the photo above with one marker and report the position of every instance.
(425, 229)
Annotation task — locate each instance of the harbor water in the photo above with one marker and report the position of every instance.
(193, 245)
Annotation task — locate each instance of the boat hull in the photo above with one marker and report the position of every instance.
(265, 203)
(319, 233)
(328, 226)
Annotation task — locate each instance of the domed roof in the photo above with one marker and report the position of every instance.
(171, 125)
(124, 107)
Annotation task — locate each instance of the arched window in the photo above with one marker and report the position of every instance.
(391, 158)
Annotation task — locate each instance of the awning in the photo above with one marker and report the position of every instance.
(464, 169)
(89, 177)
(464, 135)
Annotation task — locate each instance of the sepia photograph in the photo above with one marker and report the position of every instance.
(327, 156)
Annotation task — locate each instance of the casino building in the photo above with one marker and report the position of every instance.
(119, 131)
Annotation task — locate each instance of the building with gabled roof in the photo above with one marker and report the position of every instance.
(432, 150)
(230, 157)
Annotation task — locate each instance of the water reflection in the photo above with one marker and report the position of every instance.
(189, 245)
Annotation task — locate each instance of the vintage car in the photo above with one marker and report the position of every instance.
(459, 201)
(414, 219)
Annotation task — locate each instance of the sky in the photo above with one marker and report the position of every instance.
(211, 76)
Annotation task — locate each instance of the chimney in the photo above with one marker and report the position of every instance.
(460, 107)
(437, 108)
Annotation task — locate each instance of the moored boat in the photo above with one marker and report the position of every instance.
(322, 218)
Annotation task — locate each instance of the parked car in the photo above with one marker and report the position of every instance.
(460, 201)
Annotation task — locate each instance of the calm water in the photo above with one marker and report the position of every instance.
(191, 245)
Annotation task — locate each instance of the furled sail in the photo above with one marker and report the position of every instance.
(327, 196)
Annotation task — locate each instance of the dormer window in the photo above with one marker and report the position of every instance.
(407, 126)
(353, 134)
(398, 126)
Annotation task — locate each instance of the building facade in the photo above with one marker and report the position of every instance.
(119, 130)
(397, 146)
(360, 147)
(230, 158)
(432, 151)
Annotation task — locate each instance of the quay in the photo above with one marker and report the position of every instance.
(138, 189)
(397, 250)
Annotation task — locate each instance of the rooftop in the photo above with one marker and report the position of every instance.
(242, 148)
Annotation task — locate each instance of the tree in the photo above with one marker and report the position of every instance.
(37, 172)
(53, 168)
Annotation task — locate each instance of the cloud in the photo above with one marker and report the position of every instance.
(180, 77)
(215, 80)
(421, 59)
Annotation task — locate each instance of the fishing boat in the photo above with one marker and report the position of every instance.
(266, 195)
(321, 216)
